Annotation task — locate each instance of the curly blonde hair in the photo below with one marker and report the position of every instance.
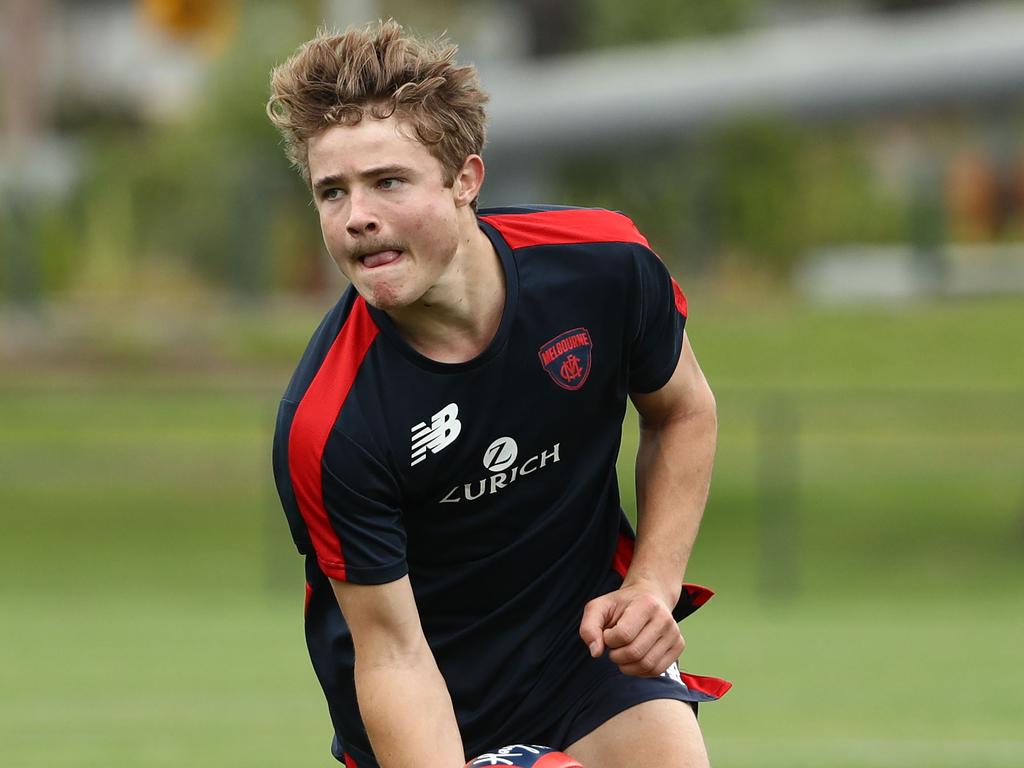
(336, 79)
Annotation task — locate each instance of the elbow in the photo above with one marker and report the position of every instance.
(711, 408)
(397, 657)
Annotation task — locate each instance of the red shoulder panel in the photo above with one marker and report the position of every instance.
(565, 227)
(312, 424)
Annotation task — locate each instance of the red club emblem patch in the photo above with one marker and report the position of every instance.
(566, 358)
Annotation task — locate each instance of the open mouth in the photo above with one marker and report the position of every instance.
(379, 259)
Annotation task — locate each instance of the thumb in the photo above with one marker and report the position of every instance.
(596, 616)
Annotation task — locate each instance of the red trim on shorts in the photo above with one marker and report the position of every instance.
(350, 762)
(698, 595)
(680, 298)
(309, 595)
(312, 424)
(565, 227)
(711, 686)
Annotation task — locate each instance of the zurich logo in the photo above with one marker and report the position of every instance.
(501, 454)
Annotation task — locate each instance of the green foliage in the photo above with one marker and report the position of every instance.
(660, 189)
(757, 193)
(761, 193)
(613, 22)
(40, 243)
(212, 193)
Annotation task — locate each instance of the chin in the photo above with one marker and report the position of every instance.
(385, 298)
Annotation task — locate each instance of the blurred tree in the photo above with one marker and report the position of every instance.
(554, 27)
(758, 194)
(761, 192)
(897, 6)
(211, 194)
(613, 22)
(428, 18)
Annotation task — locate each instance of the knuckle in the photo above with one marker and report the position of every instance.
(623, 656)
(649, 603)
(619, 635)
(632, 655)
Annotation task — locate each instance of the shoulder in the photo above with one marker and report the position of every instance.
(323, 385)
(540, 225)
(337, 346)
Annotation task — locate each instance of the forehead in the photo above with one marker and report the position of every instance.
(348, 149)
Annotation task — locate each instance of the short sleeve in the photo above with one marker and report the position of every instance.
(354, 524)
(659, 312)
(362, 501)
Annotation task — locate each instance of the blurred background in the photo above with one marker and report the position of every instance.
(838, 185)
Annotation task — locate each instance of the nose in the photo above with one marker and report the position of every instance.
(362, 219)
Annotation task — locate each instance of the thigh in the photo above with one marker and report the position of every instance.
(660, 732)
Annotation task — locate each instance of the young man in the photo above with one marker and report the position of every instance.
(445, 452)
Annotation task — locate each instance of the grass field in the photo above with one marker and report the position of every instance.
(865, 534)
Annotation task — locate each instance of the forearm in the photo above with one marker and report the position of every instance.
(407, 711)
(403, 700)
(673, 475)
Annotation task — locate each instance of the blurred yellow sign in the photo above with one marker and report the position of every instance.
(211, 22)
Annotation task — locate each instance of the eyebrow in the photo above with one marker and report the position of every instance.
(335, 179)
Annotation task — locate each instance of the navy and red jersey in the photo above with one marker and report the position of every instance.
(491, 482)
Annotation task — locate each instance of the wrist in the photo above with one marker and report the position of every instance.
(666, 590)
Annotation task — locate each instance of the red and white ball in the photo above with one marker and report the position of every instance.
(523, 756)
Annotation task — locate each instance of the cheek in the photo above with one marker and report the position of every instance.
(439, 232)
(333, 238)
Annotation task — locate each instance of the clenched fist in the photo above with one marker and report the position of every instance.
(636, 627)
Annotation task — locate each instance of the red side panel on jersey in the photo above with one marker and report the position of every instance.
(565, 227)
(623, 555)
(312, 424)
(694, 594)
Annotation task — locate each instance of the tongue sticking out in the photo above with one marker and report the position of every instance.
(379, 259)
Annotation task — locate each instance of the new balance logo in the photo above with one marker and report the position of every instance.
(443, 429)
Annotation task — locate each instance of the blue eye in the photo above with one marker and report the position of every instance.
(332, 194)
(389, 183)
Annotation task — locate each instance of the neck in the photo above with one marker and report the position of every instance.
(457, 318)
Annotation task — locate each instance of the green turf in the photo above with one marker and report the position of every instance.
(151, 604)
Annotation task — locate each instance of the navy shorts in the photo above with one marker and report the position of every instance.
(611, 695)
(604, 697)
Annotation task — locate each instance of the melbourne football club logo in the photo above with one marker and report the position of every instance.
(566, 358)
(444, 427)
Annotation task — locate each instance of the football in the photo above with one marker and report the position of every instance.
(524, 756)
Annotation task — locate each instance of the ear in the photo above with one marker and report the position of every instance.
(468, 181)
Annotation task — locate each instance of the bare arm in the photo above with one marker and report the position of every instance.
(403, 699)
(678, 432)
